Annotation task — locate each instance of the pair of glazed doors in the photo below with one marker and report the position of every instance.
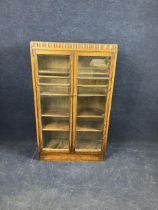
(72, 96)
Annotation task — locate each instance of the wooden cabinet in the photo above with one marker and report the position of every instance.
(73, 85)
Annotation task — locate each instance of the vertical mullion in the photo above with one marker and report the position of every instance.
(71, 103)
(74, 99)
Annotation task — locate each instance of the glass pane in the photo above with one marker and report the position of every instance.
(54, 86)
(92, 87)
(56, 140)
(88, 140)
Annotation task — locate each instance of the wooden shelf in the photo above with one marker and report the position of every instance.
(90, 95)
(88, 145)
(55, 77)
(90, 114)
(94, 78)
(53, 84)
(55, 69)
(93, 86)
(55, 114)
(56, 127)
(94, 68)
(57, 144)
(92, 73)
(87, 150)
(54, 94)
(87, 129)
(60, 84)
(52, 72)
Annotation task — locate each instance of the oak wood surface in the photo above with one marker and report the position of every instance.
(60, 65)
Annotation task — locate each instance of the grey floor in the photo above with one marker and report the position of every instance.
(127, 180)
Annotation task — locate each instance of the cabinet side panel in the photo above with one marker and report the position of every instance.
(109, 101)
(35, 97)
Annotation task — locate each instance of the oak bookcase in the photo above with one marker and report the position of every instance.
(73, 86)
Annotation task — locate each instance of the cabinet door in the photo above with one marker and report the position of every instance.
(54, 99)
(92, 83)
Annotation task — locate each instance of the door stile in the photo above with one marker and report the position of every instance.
(107, 102)
(38, 118)
(38, 104)
(35, 98)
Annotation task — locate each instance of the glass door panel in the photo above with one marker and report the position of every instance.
(92, 87)
(54, 80)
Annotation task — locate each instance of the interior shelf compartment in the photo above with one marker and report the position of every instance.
(91, 105)
(87, 129)
(92, 82)
(90, 113)
(56, 127)
(89, 125)
(53, 74)
(57, 144)
(53, 77)
(93, 78)
(55, 104)
(88, 141)
(53, 84)
(54, 89)
(54, 80)
(56, 69)
(93, 90)
(90, 62)
(56, 113)
(53, 62)
(93, 86)
(90, 95)
(53, 94)
(56, 140)
(88, 145)
(93, 73)
(55, 124)
(93, 68)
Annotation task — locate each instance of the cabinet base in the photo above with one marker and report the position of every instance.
(70, 157)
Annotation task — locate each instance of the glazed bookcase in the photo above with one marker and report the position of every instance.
(73, 86)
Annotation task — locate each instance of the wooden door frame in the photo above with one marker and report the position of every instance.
(37, 104)
(108, 102)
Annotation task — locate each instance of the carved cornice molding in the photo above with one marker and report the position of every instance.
(73, 46)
